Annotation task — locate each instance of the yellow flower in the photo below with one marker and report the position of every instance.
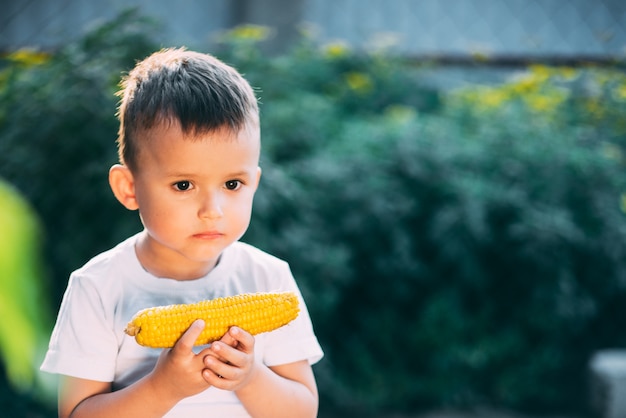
(359, 82)
(567, 73)
(28, 57)
(524, 85)
(541, 73)
(544, 102)
(250, 32)
(400, 113)
(493, 97)
(336, 50)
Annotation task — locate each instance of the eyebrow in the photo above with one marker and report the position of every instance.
(239, 174)
(181, 174)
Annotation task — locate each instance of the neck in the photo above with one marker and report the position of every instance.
(167, 265)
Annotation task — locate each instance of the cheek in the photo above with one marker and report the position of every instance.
(161, 213)
(242, 208)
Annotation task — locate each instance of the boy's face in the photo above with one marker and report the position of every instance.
(194, 197)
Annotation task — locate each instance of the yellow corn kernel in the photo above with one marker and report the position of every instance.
(162, 326)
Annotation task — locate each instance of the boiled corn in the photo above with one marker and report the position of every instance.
(162, 326)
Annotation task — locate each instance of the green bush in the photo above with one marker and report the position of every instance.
(457, 255)
(57, 139)
(464, 268)
(25, 329)
(455, 249)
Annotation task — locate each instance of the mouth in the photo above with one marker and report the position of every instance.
(208, 235)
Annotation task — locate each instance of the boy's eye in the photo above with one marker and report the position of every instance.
(232, 184)
(182, 185)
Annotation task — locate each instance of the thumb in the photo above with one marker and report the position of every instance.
(188, 339)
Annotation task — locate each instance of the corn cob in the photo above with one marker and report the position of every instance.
(162, 326)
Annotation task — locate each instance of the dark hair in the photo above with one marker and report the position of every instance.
(196, 90)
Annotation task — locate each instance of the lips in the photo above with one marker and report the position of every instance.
(208, 235)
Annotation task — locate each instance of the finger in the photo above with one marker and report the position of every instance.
(217, 352)
(242, 346)
(244, 340)
(228, 355)
(214, 354)
(217, 369)
(215, 379)
(188, 339)
(229, 339)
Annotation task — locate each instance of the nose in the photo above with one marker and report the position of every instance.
(211, 206)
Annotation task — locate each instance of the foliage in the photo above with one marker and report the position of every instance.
(57, 133)
(455, 249)
(25, 327)
(473, 251)
(57, 139)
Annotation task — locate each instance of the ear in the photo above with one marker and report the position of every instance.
(258, 178)
(122, 184)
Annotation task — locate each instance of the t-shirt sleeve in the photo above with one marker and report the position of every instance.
(295, 341)
(83, 342)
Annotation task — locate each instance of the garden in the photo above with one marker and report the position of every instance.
(456, 247)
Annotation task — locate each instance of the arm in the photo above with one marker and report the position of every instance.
(282, 391)
(177, 375)
(288, 390)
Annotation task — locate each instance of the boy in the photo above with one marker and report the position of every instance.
(189, 145)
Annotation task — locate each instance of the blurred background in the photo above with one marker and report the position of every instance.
(446, 179)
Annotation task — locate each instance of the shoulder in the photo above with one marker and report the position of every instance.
(252, 265)
(249, 253)
(107, 266)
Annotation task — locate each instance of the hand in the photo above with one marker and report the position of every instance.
(230, 361)
(178, 372)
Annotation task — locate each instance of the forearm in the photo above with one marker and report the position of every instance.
(140, 400)
(176, 376)
(270, 395)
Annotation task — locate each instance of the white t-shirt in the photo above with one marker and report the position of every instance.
(88, 340)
